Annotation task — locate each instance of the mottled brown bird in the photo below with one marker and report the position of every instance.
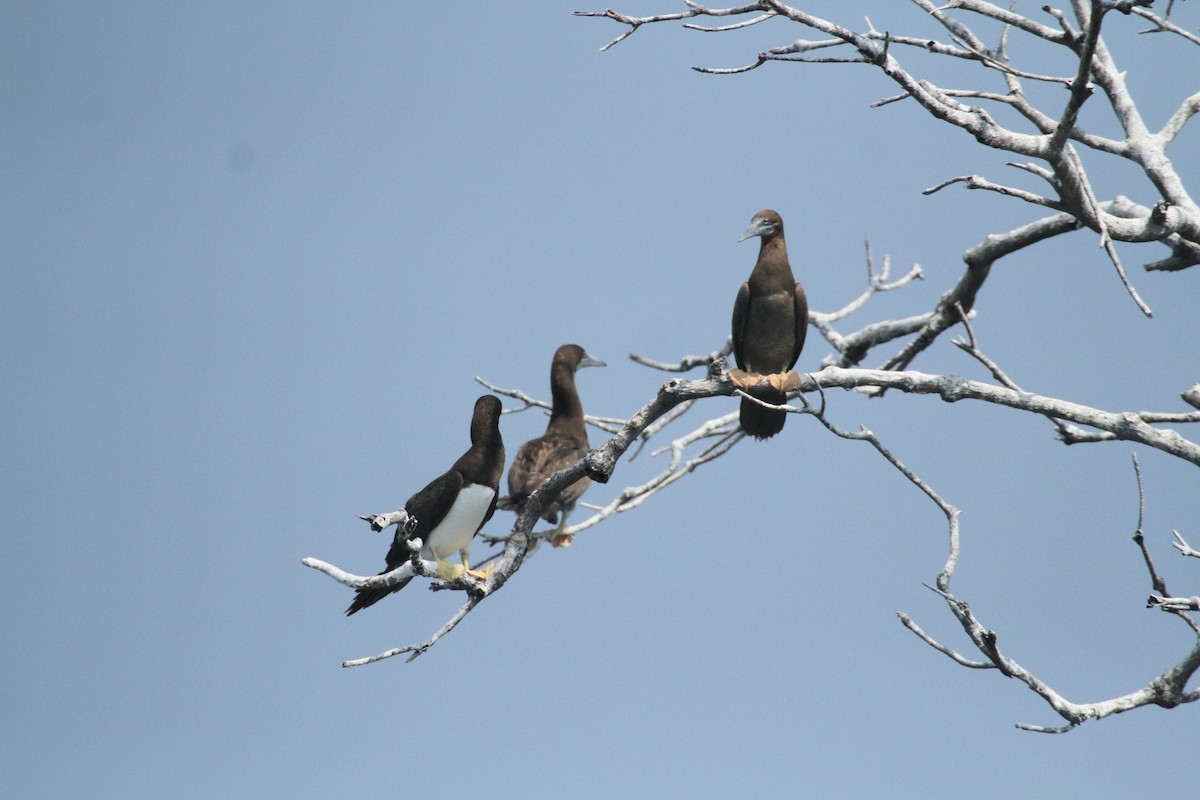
(452, 508)
(770, 321)
(564, 443)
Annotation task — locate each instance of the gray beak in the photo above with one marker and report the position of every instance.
(757, 228)
(588, 361)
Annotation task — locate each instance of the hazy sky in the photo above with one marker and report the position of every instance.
(254, 255)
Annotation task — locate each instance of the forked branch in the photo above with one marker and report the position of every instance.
(1058, 140)
(600, 463)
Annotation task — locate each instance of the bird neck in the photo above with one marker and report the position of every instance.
(773, 248)
(772, 272)
(485, 434)
(486, 441)
(566, 412)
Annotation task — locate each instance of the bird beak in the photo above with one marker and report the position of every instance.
(588, 361)
(756, 229)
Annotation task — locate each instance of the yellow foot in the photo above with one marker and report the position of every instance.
(742, 379)
(785, 381)
(561, 539)
(482, 574)
(448, 571)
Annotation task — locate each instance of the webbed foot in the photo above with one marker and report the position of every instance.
(482, 574)
(785, 381)
(742, 379)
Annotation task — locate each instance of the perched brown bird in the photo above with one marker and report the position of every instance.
(452, 508)
(770, 321)
(564, 443)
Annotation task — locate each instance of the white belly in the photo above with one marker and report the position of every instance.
(455, 531)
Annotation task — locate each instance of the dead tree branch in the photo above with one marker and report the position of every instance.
(600, 464)
(1173, 217)
(1167, 690)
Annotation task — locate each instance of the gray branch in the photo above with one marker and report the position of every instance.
(1172, 219)
(1053, 152)
(599, 464)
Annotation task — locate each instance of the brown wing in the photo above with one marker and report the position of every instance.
(536, 461)
(740, 308)
(801, 310)
(429, 506)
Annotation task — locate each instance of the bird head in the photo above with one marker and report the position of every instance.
(765, 223)
(576, 358)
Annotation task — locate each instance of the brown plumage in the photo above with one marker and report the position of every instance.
(770, 321)
(453, 507)
(564, 443)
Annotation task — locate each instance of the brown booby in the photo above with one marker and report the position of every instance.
(564, 443)
(452, 508)
(770, 320)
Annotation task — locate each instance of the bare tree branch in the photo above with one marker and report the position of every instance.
(606, 424)
(686, 363)
(1167, 690)
(1095, 68)
(1164, 24)
(600, 463)
(1054, 150)
(1182, 546)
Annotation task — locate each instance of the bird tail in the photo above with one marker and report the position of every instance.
(370, 596)
(516, 504)
(759, 422)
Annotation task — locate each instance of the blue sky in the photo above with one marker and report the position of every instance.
(255, 257)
